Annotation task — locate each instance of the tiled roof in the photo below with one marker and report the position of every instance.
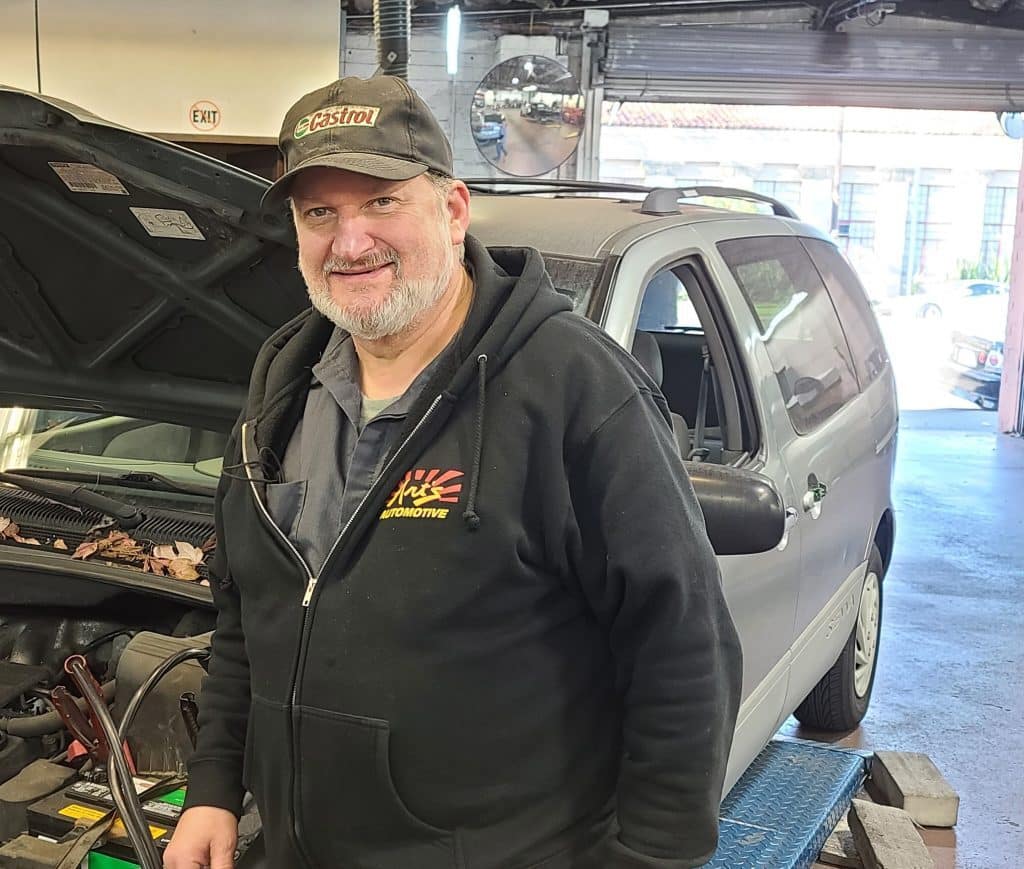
(827, 118)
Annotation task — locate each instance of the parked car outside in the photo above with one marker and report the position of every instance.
(169, 278)
(488, 126)
(975, 366)
(950, 300)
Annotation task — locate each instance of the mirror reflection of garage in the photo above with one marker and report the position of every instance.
(800, 219)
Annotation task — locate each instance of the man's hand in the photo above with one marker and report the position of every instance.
(205, 837)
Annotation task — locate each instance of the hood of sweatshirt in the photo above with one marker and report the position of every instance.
(513, 296)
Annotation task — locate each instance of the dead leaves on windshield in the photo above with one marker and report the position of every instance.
(178, 561)
(10, 531)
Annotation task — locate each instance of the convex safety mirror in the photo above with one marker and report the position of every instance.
(527, 115)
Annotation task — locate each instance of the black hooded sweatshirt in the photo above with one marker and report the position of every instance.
(517, 654)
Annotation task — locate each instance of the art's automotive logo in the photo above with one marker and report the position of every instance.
(421, 493)
(337, 116)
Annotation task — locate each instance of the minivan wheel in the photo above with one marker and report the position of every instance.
(840, 700)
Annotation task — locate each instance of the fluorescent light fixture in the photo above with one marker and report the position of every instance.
(515, 80)
(529, 87)
(453, 27)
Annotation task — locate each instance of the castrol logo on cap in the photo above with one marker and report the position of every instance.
(336, 116)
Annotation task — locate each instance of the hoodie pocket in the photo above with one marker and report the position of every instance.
(348, 807)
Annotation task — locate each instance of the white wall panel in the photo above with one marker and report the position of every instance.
(144, 64)
(18, 44)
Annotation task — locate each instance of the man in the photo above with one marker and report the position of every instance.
(469, 615)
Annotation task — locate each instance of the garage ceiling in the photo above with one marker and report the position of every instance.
(815, 14)
(901, 69)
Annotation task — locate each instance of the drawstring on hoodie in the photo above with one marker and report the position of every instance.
(470, 517)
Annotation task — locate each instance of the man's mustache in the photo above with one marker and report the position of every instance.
(372, 261)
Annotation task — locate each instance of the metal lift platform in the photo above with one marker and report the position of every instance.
(781, 811)
(777, 816)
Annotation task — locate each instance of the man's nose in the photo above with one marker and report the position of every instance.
(351, 240)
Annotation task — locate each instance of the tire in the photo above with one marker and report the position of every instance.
(840, 700)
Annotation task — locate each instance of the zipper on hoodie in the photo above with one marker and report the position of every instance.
(308, 603)
(310, 584)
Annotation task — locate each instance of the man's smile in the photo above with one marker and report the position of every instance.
(362, 272)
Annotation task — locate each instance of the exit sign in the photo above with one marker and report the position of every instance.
(204, 115)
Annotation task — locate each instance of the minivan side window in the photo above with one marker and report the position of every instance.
(850, 300)
(666, 306)
(799, 325)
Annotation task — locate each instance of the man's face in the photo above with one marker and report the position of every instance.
(376, 255)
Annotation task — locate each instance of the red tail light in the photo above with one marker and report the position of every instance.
(995, 360)
(982, 357)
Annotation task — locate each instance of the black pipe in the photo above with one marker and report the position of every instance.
(392, 25)
(50, 722)
(119, 777)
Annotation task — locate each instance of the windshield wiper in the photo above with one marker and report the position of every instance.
(130, 480)
(124, 514)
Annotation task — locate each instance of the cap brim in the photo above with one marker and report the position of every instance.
(376, 165)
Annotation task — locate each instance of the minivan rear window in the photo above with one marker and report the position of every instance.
(798, 323)
(851, 302)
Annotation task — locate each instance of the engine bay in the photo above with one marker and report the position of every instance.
(145, 654)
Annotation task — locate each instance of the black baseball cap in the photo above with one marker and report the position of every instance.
(377, 126)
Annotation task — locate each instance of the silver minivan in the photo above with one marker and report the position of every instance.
(766, 348)
(138, 279)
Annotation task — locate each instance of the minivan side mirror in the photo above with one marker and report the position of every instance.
(743, 511)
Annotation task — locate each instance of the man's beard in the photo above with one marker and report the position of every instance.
(398, 312)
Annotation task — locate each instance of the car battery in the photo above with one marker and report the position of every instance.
(161, 811)
(56, 815)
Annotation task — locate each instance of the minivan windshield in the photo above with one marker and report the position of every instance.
(103, 443)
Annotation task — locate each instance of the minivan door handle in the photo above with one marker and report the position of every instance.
(815, 494)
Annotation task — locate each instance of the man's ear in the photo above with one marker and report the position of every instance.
(458, 211)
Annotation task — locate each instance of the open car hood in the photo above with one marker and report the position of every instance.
(136, 277)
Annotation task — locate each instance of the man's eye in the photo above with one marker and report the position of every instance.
(384, 201)
(317, 213)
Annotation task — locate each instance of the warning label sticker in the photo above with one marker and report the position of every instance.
(78, 812)
(86, 178)
(118, 831)
(168, 223)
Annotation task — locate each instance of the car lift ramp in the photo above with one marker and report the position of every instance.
(781, 811)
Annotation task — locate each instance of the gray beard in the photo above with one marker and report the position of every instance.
(400, 311)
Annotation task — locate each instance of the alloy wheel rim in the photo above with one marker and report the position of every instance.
(866, 644)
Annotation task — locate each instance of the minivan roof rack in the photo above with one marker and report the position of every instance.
(658, 200)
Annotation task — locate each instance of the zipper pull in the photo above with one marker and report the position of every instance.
(308, 596)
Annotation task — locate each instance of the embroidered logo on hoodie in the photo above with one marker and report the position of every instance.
(421, 493)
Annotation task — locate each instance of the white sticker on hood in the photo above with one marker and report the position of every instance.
(168, 223)
(86, 178)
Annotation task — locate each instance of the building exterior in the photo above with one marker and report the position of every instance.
(914, 197)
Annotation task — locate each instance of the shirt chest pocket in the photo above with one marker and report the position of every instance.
(284, 503)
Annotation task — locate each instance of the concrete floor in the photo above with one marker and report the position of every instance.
(950, 679)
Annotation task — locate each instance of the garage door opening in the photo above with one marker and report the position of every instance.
(922, 202)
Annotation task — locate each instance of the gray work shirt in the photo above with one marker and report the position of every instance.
(330, 463)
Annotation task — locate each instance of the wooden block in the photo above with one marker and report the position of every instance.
(886, 838)
(839, 848)
(910, 781)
